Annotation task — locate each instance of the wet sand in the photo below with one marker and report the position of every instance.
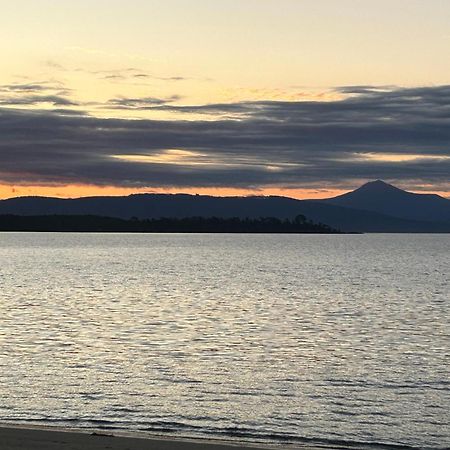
(19, 438)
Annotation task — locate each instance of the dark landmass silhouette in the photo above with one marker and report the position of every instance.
(299, 224)
(362, 210)
(381, 197)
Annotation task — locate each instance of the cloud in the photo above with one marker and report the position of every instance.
(28, 100)
(128, 74)
(23, 87)
(248, 144)
(35, 93)
(140, 102)
(142, 75)
(124, 75)
(34, 87)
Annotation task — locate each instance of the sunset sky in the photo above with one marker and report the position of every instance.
(305, 98)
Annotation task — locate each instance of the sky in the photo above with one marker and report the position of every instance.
(305, 98)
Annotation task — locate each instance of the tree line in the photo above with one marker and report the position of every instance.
(91, 223)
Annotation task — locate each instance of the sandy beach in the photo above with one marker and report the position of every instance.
(20, 438)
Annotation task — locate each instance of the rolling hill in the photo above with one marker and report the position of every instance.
(375, 207)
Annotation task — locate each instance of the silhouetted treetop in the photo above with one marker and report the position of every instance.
(90, 223)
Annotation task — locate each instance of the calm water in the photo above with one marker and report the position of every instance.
(303, 339)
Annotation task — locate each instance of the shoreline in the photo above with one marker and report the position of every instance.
(30, 437)
(17, 436)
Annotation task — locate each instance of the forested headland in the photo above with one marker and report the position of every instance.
(91, 223)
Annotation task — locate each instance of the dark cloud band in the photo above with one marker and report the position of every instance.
(253, 144)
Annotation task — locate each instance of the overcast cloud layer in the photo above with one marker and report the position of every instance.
(253, 144)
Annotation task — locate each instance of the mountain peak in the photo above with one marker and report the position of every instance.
(378, 186)
(377, 183)
(381, 197)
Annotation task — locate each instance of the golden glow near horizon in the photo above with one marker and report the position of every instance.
(78, 190)
(97, 54)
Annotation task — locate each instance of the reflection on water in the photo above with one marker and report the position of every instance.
(328, 338)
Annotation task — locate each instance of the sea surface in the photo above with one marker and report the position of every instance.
(328, 340)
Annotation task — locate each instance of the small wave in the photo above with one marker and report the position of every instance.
(244, 434)
(440, 385)
(253, 435)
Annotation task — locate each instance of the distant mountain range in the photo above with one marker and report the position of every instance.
(374, 207)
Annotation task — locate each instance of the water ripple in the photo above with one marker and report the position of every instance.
(330, 340)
